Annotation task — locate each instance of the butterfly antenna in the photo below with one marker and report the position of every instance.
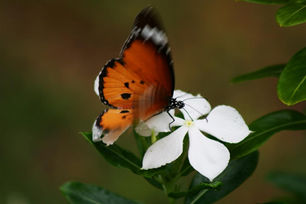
(192, 98)
(187, 113)
(194, 109)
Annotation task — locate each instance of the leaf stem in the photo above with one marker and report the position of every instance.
(199, 196)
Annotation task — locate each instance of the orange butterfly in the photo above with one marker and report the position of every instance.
(138, 84)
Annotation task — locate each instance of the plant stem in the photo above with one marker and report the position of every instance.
(153, 137)
(199, 196)
(165, 188)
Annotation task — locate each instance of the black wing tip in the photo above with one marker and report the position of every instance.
(148, 16)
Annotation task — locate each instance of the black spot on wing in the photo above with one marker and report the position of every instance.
(133, 81)
(123, 117)
(124, 111)
(126, 84)
(141, 82)
(126, 96)
(105, 131)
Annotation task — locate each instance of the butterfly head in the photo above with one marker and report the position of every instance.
(175, 104)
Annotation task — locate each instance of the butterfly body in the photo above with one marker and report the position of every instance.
(138, 84)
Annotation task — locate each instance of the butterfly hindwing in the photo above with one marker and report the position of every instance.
(111, 123)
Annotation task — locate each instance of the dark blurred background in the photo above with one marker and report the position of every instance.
(51, 52)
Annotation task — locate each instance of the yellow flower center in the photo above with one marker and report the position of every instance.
(188, 123)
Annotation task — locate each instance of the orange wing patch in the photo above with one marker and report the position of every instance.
(142, 57)
(121, 87)
(124, 82)
(112, 123)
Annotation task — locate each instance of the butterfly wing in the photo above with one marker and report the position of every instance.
(142, 78)
(111, 123)
(144, 63)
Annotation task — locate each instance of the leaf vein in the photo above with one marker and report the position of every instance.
(295, 12)
(298, 86)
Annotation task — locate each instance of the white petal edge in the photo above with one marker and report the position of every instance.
(180, 94)
(165, 150)
(195, 106)
(225, 123)
(206, 156)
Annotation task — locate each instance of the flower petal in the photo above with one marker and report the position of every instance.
(177, 122)
(225, 123)
(179, 94)
(165, 150)
(207, 156)
(160, 122)
(195, 106)
(143, 129)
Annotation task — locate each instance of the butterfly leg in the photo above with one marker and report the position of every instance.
(171, 118)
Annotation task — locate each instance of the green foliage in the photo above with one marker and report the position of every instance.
(269, 71)
(291, 14)
(195, 189)
(293, 183)
(267, 1)
(244, 155)
(291, 86)
(120, 157)
(115, 154)
(233, 176)
(265, 127)
(80, 193)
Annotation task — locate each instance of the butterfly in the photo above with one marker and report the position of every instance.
(139, 83)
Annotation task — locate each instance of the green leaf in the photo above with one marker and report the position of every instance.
(265, 127)
(80, 193)
(115, 154)
(292, 14)
(269, 71)
(196, 189)
(233, 176)
(267, 1)
(291, 87)
(187, 168)
(141, 143)
(120, 157)
(293, 183)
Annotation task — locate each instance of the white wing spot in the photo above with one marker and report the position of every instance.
(96, 85)
(156, 35)
(96, 132)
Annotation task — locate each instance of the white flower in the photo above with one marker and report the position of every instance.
(209, 157)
